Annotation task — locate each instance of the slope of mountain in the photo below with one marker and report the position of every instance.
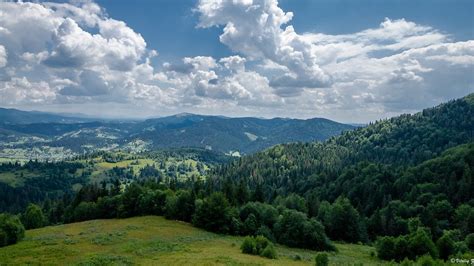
(392, 170)
(221, 134)
(245, 135)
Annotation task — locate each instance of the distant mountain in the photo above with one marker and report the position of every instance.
(14, 116)
(233, 136)
(245, 135)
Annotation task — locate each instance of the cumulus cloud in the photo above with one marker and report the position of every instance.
(46, 42)
(255, 29)
(74, 53)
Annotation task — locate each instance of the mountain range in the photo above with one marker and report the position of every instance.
(36, 134)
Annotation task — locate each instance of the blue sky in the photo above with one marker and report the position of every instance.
(170, 26)
(351, 61)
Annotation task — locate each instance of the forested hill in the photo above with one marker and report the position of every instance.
(409, 166)
(409, 139)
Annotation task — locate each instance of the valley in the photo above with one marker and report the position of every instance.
(398, 190)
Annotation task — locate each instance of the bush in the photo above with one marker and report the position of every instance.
(321, 259)
(269, 252)
(11, 229)
(426, 260)
(410, 246)
(258, 246)
(249, 246)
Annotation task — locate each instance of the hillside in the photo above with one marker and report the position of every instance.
(152, 240)
(29, 135)
(392, 170)
(38, 181)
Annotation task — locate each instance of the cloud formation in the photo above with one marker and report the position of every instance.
(73, 53)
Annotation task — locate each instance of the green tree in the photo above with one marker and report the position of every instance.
(446, 245)
(213, 213)
(11, 229)
(420, 243)
(296, 230)
(33, 217)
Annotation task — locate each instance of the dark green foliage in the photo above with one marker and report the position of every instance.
(249, 246)
(130, 201)
(269, 252)
(180, 206)
(33, 217)
(420, 243)
(411, 246)
(294, 229)
(342, 221)
(85, 211)
(213, 213)
(446, 245)
(464, 219)
(11, 230)
(412, 168)
(258, 245)
(470, 241)
(152, 202)
(321, 259)
(292, 201)
(426, 260)
(50, 181)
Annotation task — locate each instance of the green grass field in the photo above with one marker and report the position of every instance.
(152, 240)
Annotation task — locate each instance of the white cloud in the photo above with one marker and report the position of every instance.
(73, 54)
(21, 90)
(233, 63)
(47, 42)
(254, 28)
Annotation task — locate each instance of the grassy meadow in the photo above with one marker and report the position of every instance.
(152, 240)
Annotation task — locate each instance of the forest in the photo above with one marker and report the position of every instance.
(402, 184)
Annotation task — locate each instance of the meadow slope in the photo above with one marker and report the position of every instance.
(153, 240)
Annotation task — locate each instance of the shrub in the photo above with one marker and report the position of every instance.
(266, 232)
(261, 243)
(249, 246)
(426, 260)
(321, 259)
(11, 229)
(258, 246)
(269, 252)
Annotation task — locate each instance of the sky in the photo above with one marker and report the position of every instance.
(350, 61)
